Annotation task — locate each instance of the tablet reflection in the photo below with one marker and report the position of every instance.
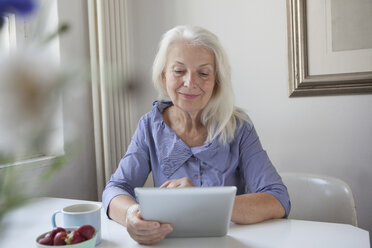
(215, 242)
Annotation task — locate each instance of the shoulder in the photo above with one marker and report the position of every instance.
(154, 118)
(243, 123)
(155, 115)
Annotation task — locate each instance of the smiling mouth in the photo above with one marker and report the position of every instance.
(189, 96)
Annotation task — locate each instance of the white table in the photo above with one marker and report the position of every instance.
(23, 225)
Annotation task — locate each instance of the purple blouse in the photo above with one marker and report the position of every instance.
(156, 148)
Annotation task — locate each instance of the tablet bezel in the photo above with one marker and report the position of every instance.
(192, 211)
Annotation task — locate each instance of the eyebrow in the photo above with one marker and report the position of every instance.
(179, 62)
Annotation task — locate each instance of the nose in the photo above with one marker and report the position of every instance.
(189, 80)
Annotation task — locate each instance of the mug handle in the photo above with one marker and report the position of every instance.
(54, 218)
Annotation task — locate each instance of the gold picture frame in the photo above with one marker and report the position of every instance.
(301, 82)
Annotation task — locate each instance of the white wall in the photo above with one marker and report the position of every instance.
(77, 179)
(328, 135)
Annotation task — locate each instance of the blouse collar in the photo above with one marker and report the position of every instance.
(174, 152)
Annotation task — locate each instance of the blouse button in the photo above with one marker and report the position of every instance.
(196, 176)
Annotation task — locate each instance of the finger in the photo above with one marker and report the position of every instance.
(187, 184)
(152, 238)
(143, 225)
(150, 241)
(172, 184)
(187, 181)
(165, 185)
(138, 223)
(146, 239)
(155, 233)
(144, 236)
(166, 227)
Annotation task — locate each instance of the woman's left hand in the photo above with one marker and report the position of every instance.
(177, 183)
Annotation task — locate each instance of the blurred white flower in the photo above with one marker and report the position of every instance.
(30, 82)
(31, 85)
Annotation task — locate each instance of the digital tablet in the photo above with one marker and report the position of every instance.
(192, 211)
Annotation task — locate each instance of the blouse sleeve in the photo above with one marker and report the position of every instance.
(257, 170)
(133, 168)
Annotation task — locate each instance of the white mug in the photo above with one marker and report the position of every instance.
(81, 214)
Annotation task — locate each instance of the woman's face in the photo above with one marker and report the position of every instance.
(189, 76)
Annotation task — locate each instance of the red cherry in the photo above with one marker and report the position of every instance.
(60, 238)
(46, 240)
(74, 237)
(56, 230)
(87, 231)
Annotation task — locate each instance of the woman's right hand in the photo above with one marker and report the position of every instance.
(143, 231)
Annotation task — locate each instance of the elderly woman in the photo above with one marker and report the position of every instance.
(197, 138)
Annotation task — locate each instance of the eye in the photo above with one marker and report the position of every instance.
(179, 72)
(204, 74)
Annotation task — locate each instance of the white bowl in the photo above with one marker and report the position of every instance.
(90, 243)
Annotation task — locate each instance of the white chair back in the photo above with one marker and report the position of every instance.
(320, 198)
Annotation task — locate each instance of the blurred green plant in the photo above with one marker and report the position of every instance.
(14, 193)
(30, 84)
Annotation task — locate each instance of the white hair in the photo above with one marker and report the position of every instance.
(220, 115)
